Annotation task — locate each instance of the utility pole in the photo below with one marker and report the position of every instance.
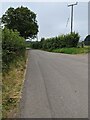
(71, 5)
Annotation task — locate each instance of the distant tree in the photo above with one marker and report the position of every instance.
(42, 39)
(87, 40)
(22, 19)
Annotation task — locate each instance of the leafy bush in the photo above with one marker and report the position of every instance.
(13, 47)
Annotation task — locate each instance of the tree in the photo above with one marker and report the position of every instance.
(87, 40)
(22, 19)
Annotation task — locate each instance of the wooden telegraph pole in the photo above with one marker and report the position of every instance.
(71, 5)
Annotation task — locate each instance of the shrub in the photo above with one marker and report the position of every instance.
(13, 47)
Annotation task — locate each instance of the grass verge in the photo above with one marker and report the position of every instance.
(11, 88)
(72, 50)
(0, 95)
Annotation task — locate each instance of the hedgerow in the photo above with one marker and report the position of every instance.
(13, 47)
(62, 41)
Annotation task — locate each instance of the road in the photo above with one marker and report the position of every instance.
(56, 86)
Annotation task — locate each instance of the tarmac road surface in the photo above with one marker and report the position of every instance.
(56, 86)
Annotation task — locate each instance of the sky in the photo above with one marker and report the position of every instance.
(54, 18)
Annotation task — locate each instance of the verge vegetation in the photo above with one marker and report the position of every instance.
(13, 67)
(72, 50)
(11, 89)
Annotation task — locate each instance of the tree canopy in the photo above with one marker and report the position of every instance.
(87, 40)
(22, 19)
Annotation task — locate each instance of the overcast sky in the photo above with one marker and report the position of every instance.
(53, 17)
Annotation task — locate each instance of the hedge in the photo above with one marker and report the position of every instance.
(62, 41)
(13, 47)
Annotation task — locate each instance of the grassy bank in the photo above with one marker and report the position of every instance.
(11, 88)
(72, 50)
(0, 96)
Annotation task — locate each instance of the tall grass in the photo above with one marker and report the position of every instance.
(11, 89)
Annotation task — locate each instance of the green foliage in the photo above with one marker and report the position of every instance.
(22, 19)
(62, 41)
(28, 44)
(87, 40)
(0, 50)
(72, 50)
(13, 47)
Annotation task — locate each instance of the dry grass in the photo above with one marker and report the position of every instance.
(11, 89)
(0, 95)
